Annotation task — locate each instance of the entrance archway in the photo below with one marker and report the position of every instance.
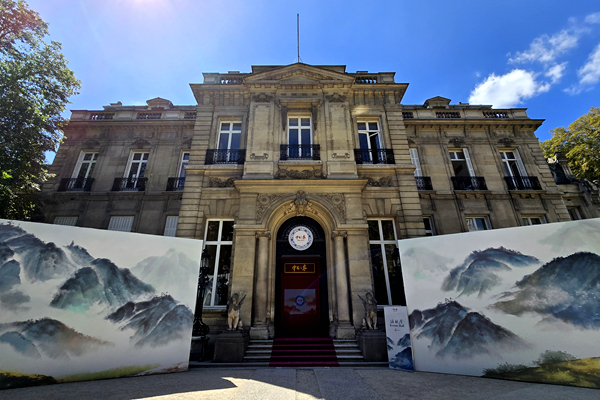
(301, 303)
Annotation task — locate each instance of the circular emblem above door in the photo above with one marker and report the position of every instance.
(301, 238)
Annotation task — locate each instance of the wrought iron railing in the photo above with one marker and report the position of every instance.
(469, 183)
(129, 185)
(374, 156)
(75, 185)
(300, 152)
(523, 183)
(175, 184)
(423, 183)
(225, 156)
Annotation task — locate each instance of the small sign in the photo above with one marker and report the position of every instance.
(299, 268)
(300, 238)
(397, 332)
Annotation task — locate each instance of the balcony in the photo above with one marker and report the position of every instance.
(225, 156)
(75, 185)
(523, 183)
(129, 185)
(468, 183)
(300, 152)
(374, 156)
(175, 184)
(423, 183)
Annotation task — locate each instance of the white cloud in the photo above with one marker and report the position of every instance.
(593, 18)
(556, 72)
(546, 48)
(589, 74)
(508, 90)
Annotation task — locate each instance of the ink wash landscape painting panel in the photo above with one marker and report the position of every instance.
(518, 303)
(81, 303)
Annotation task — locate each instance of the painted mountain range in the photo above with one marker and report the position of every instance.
(567, 288)
(457, 332)
(170, 271)
(481, 270)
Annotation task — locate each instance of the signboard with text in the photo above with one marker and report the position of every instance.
(397, 332)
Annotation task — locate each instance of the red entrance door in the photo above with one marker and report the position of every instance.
(300, 298)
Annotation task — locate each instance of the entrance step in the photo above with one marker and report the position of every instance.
(303, 352)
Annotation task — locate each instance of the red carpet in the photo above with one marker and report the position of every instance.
(303, 352)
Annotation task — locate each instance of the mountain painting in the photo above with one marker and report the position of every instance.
(81, 303)
(518, 303)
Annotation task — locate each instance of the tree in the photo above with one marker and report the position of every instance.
(580, 144)
(35, 85)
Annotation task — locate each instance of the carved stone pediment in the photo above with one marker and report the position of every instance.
(300, 205)
(304, 174)
(91, 144)
(140, 143)
(457, 141)
(336, 98)
(506, 141)
(262, 98)
(299, 74)
(218, 182)
(382, 182)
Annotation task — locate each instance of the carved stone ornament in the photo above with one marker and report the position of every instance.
(218, 182)
(140, 143)
(382, 182)
(339, 234)
(254, 156)
(337, 200)
(506, 141)
(300, 205)
(91, 144)
(262, 203)
(262, 98)
(305, 174)
(456, 141)
(336, 98)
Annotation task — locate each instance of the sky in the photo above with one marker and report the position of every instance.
(540, 55)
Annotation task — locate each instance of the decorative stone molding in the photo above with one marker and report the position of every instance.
(140, 143)
(315, 117)
(253, 156)
(300, 205)
(188, 143)
(337, 200)
(262, 98)
(336, 98)
(217, 182)
(337, 234)
(263, 201)
(506, 141)
(263, 234)
(304, 174)
(336, 155)
(284, 113)
(385, 181)
(91, 144)
(457, 142)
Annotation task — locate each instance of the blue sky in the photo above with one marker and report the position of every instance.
(541, 55)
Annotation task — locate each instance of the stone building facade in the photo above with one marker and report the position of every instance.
(264, 153)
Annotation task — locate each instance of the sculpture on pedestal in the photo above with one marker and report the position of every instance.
(370, 319)
(233, 312)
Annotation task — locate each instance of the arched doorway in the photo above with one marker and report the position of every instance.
(301, 304)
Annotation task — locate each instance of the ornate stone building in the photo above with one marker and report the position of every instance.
(300, 179)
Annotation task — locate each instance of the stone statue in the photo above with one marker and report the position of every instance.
(233, 312)
(370, 319)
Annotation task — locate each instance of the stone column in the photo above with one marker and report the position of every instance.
(259, 322)
(344, 330)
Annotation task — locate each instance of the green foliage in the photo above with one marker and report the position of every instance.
(550, 357)
(35, 85)
(109, 373)
(503, 368)
(580, 144)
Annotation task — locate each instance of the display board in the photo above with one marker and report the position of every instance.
(80, 303)
(518, 303)
(397, 333)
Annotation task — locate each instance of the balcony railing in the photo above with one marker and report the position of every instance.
(225, 156)
(374, 156)
(75, 185)
(523, 183)
(423, 183)
(469, 183)
(129, 185)
(300, 152)
(175, 184)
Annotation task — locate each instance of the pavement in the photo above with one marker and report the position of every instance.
(301, 384)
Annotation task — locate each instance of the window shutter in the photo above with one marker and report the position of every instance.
(520, 165)
(122, 224)
(414, 159)
(469, 165)
(171, 226)
(68, 221)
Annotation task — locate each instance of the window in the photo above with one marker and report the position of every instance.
(389, 288)
(574, 213)
(137, 165)
(300, 137)
(414, 159)
(461, 163)
(429, 228)
(477, 224)
(185, 159)
(230, 135)
(68, 221)
(85, 165)
(171, 226)
(369, 140)
(218, 241)
(512, 164)
(122, 224)
(534, 220)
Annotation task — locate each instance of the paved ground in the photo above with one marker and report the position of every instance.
(302, 384)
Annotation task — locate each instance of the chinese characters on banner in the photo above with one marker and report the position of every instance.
(397, 332)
